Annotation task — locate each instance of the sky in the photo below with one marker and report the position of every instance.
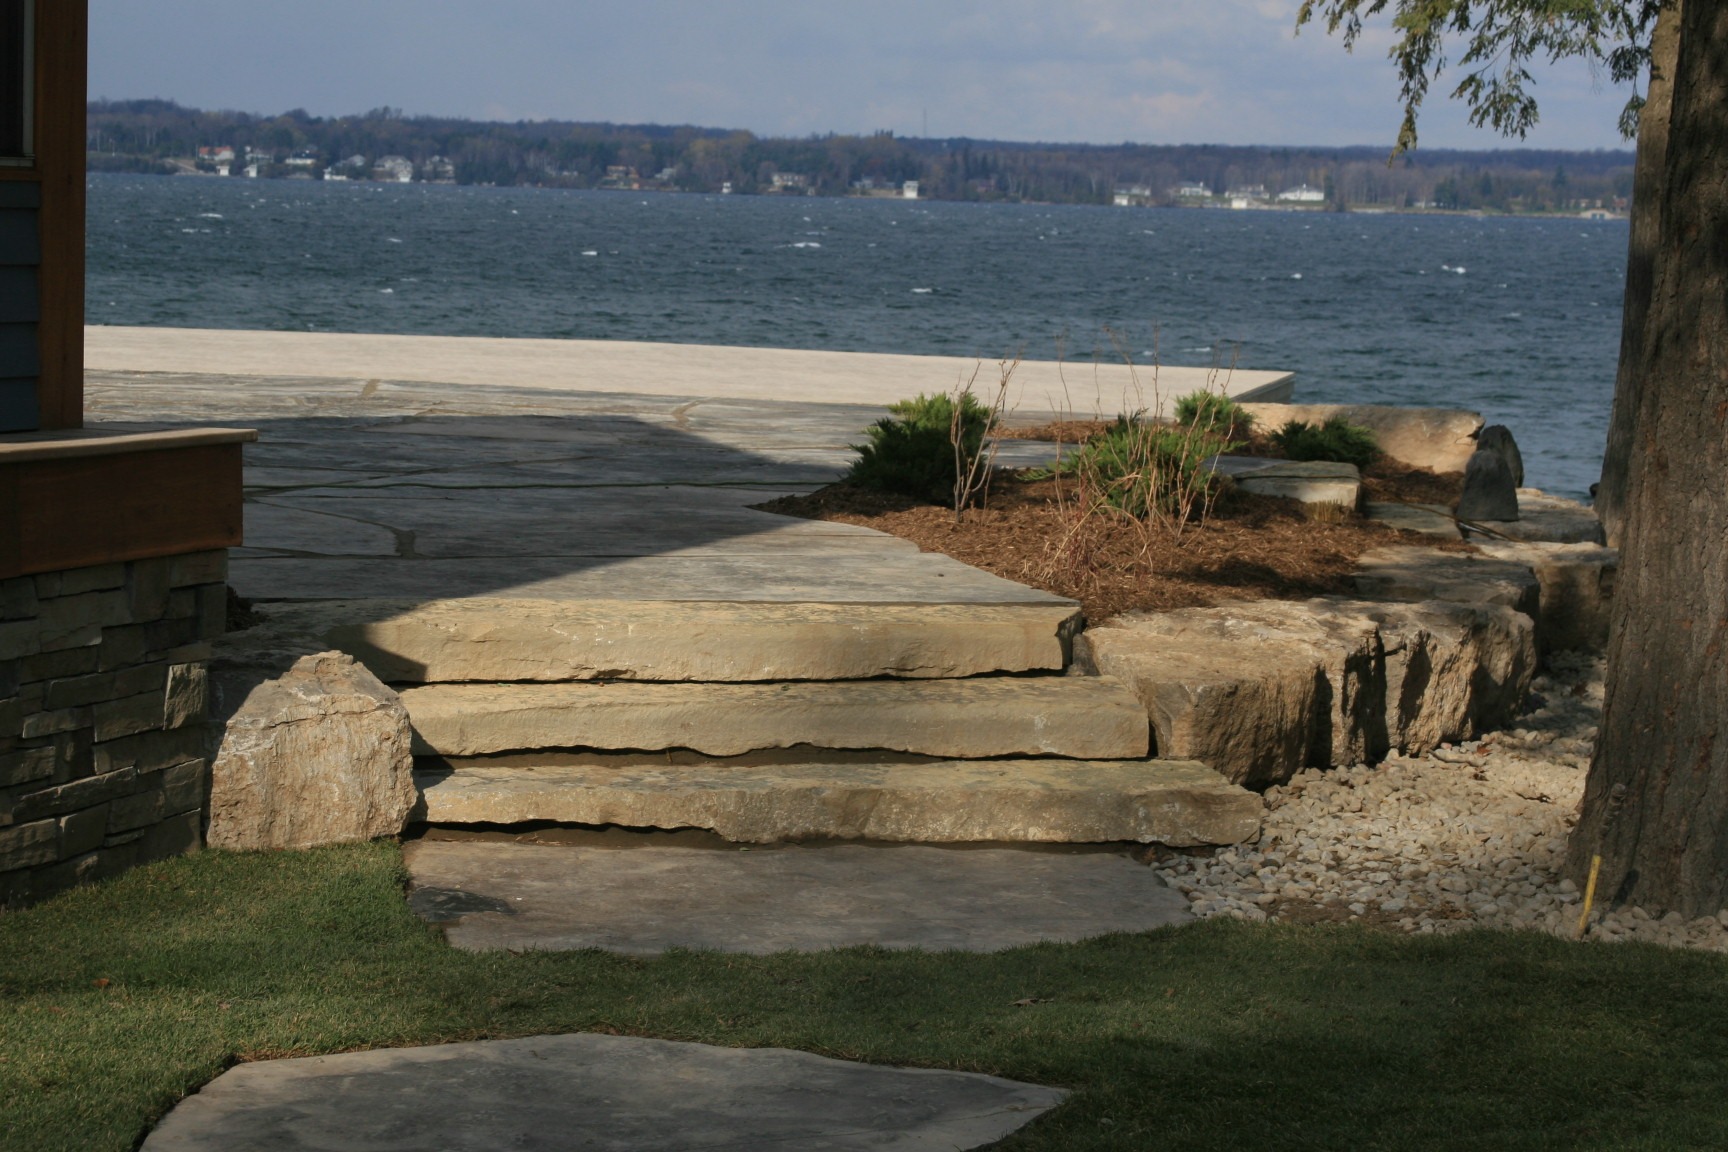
(1087, 71)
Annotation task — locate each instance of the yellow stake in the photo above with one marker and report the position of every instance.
(1589, 894)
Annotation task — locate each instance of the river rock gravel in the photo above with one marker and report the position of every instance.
(1472, 835)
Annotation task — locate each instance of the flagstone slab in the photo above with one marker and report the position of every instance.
(585, 1091)
(491, 895)
(1175, 802)
(498, 639)
(1083, 717)
(727, 571)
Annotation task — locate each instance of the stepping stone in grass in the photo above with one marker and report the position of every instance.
(593, 1092)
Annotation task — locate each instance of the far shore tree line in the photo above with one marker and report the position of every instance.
(159, 136)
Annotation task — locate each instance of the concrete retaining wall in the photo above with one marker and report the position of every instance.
(102, 717)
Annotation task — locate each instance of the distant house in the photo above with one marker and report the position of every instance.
(302, 159)
(353, 168)
(726, 188)
(439, 170)
(1192, 191)
(909, 190)
(395, 169)
(621, 176)
(1247, 192)
(1129, 195)
(218, 159)
(1302, 194)
(789, 181)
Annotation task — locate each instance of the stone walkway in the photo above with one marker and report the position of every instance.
(644, 893)
(421, 492)
(605, 1093)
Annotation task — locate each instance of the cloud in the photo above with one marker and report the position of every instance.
(1225, 71)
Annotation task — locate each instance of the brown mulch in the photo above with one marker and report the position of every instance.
(1388, 481)
(1252, 547)
(1055, 431)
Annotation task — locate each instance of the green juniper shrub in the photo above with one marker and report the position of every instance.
(911, 451)
(1336, 440)
(1214, 413)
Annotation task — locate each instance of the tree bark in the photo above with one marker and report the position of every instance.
(1656, 802)
(1647, 176)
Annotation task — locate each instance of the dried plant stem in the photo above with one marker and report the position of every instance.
(972, 470)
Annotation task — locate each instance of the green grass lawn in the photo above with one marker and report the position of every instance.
(117, 1000)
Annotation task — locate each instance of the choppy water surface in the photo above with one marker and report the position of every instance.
(1517, 318)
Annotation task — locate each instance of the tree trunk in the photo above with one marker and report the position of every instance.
(1647, 178)
(1656, 803)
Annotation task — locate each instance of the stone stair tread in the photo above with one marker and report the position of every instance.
(1180, 803)
(496, 638)
(1083, 717)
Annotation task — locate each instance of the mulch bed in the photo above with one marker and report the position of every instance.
(1388, 481)
(1251, 548)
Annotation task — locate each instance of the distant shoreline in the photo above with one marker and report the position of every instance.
(1351, 210)
(160, 136)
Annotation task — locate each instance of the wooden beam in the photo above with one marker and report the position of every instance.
(79, 511)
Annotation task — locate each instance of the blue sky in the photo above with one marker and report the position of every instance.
(1102, 71)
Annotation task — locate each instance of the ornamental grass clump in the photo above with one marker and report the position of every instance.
(1151, 471)
(1337, 440)
(1148, 472)
(924, 447)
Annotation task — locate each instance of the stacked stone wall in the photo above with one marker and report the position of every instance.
(103, 706)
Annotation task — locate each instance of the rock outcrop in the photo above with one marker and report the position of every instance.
(1567, 589)
(317, 754)
(1261, 690)
(1577, 590)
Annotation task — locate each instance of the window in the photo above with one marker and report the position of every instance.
(17, 80)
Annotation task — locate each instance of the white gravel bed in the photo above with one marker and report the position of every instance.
(1467, 836)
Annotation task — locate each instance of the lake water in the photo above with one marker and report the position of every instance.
(1516, 318)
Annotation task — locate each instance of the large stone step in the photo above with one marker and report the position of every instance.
(1084, 717)
(487, 638)
(1052, 801)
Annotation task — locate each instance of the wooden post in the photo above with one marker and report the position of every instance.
(53, 176)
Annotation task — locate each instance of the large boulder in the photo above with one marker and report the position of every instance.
(1577, 590)
(1261, 690)
(1413, 572)
(1253, 690)
(317, 753)
(1453, 670)
(1497, 438)
(1439, 439)
(1490, 492)
(1567, 589)
(1544, 517)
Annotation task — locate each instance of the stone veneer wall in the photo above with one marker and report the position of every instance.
(102, 717)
